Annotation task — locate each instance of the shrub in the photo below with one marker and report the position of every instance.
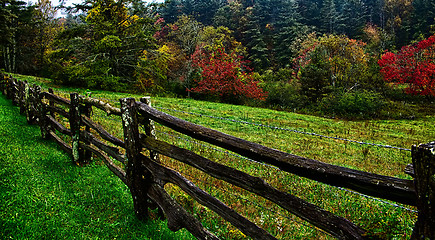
(284, 95)
(353, 104)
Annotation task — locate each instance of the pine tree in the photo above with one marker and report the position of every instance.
(329, 17)
(353, 18)
(422, 20)
(253, 40)
(15, 16)
(310, 12)
(171, 10)
(288, 27)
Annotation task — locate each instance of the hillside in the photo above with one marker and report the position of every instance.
(363, 145)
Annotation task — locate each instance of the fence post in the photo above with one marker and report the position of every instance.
(41, 112)
(15, 89)
(27, 102)
(423, 159)
(51, 102)
(150, 130)
(137, 175)
(87, 111)
(74, 121)
(34, 103)
(14, 92)
(8, 87)
(21, 94)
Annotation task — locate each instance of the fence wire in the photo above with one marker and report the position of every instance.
(261, 206)
(270, 166)
(285, 129)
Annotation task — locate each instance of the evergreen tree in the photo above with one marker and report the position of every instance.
(422, 21)
(353, 18)
(310, 12)
(205, 10)
(15, 16)
(329, 17)
(288, 27)
(253, 40)
(171, 10)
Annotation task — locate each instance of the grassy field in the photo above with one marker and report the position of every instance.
(43, 195)
(380, 219)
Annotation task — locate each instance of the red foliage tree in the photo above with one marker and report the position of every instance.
(222, 74)
(413, 65)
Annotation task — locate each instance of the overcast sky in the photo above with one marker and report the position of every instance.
(71, 2)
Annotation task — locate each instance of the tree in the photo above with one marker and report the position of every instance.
(353, 18)
(315, 78)
(42, 32)
(255, 42)
(397, 13)
(222, 75)
(104, 50)
(288, 28)
(413, 65)
(15, 16)
(343, 59)
(330, 17)
(171, 10)
(422, 19)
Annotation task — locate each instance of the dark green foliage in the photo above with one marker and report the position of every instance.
(422, 21)
(284, 95)
(15, 18)
(202, 10)
(103, 52)
(330, 17)
(315, 78)
(171, 10)
(353, 18)
(254, 40)
(352, 104)
(287, 29)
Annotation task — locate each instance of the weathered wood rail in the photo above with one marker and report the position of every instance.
(146, 177)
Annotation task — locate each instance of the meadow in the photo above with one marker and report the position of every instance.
(285, 131)
(43, 195)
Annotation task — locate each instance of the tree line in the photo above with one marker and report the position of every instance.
(334, 56)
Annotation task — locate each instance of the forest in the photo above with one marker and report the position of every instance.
(335, 58)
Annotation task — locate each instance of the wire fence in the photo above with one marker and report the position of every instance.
(264, 164)
(261, 206)
(266, 126)
(286, 129)
(273, 167)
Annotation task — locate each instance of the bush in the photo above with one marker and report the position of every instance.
(284, 95)
(354, 104)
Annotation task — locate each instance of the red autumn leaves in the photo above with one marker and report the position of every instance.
(413, 65)
(224, 75)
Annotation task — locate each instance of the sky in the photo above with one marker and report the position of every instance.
(71, 2)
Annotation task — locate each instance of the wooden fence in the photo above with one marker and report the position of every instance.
(146, 177)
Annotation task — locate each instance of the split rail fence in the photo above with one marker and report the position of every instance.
(146, 176)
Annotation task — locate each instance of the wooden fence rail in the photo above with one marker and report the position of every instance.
(146, 177)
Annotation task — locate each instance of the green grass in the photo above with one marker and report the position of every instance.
(43, 195)
(381, 220)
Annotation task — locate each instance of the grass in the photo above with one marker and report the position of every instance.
(43, 195)
(381, 220)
